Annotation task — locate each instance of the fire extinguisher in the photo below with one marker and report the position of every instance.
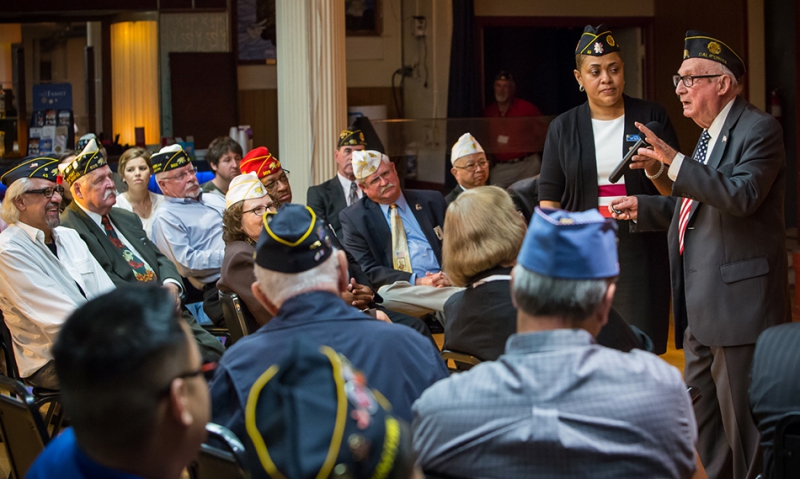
(775, 105)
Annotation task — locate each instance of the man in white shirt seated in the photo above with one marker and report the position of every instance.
(46, 271)
(117, 240)
(188, 226)
(557, 404)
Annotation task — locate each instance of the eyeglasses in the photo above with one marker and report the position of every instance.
(271, 186)
(260, 210)
(182, 176)
(383, 176)
(688, 80)
(191, 374)
(471, 167)
(47, 192)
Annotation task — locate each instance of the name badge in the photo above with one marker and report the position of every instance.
(632, 138)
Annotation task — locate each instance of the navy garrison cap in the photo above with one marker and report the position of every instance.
(351, 138)
(562, 244)
(596, 41)
(312, 415)
(704, 45)
(293, 240)
(88, 160)
(169, 158)
(34, 166)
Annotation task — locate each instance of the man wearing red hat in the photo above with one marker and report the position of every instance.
(276, 179)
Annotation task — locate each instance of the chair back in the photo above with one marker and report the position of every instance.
(216, 462)
(234, 315)
(462, 361)
(21, 427)
(8, 349)
(786, 447)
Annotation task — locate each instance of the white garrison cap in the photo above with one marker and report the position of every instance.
(366, 162)
(244, 187)
(466, 145)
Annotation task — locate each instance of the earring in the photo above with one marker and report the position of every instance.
(581, 88)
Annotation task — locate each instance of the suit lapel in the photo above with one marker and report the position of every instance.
(423, 214)
(336, 194)
(94, 231)
(380, 232)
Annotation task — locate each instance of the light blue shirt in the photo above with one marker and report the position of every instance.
(423, 259)
(558, 405)
(189, 233)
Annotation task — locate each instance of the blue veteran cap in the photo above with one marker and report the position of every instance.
(34, 166)
(312, 415)
(562, 244)
(293, 240)
(699, 44)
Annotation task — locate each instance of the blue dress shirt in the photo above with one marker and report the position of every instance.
(423, 259)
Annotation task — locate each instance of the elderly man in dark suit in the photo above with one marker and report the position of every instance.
(727, 250)
(116, 239)
(396, 237)
(330, 198)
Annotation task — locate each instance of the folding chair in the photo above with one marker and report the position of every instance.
(22, 430)
(462, 361)
(214, 462)
(235, 316)
(786, 447)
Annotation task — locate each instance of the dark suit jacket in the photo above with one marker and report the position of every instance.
(451, 197)
(327, 200)
(108, 255)
(367, 236)
(731, 282)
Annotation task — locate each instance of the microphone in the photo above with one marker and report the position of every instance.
(615, 175)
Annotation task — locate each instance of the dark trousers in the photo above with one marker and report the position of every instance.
(45, 377)
(212, 306)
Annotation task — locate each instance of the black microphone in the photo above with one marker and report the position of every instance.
(615, 175)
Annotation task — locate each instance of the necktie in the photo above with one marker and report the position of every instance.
(141, 270)
(353, 194)
(686, 205)
(400, 257)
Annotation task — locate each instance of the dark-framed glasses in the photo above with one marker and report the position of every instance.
(207, 367)
(47, 192)
(688, 80)
(471, 167)
(272, 185)
(259, 210)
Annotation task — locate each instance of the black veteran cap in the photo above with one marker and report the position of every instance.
(34, 166)
(703, 45)
(596, 41)
(312, 415)
(351, 138)
(293, 240)
(87, 161)
(169, 158)
(84, 140)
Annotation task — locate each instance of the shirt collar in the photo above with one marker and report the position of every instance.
(182, 201)
(543, 341)
(35, 234)
(98, 219)
(401, 205)
(719, 121)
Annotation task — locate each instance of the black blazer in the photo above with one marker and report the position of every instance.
(108, 255)
(569, 164)
(367, 236)
(327, 200)
(451, 197)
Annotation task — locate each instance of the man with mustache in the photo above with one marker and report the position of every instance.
(396, 237)
(116, 238)
(188, 226)
(46, 271)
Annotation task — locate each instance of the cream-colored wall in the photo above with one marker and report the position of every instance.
(561, 8)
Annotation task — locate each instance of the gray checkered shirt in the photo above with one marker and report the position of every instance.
(558, 405)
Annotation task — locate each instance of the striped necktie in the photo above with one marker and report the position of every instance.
(401, 259)
(686, 205)
(353, 194)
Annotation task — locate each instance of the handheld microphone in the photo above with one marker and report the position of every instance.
(623, 165)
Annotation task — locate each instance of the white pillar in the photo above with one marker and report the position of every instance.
(312, 88)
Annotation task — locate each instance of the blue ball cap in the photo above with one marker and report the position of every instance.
(293, 240)
(570, 245)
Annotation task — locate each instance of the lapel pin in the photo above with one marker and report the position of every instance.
(418, 207)
(438, 231)
(724, 138)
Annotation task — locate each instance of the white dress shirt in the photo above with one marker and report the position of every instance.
(39, 291)
(345, 182)
(713, 131)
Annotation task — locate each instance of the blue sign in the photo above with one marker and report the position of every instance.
(55, 96)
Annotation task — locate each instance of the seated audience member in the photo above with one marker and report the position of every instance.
(774, 388)
(188, 226)
(132, 386)
(396, 237)
(274, 178)
(116, 239)
(135, 170)
(330, 198)
(303, 437)
(299, 279)
(223, 156)
(483, 237)
(470, 166)
(65, 158)
(557, 404)
(46, 271)
(246, 202)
